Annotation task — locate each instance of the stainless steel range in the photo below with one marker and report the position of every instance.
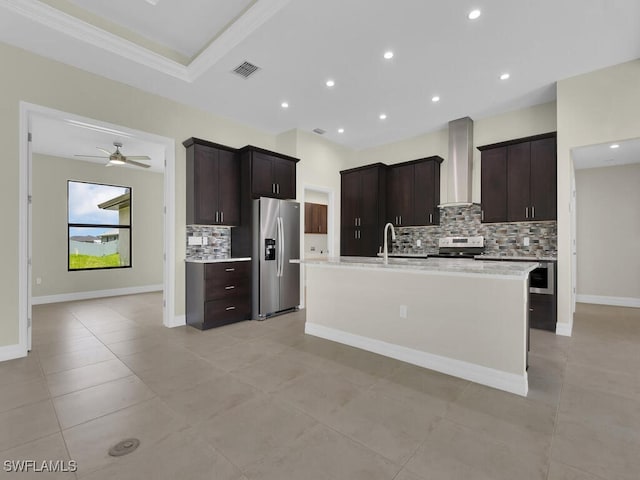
(459, 247)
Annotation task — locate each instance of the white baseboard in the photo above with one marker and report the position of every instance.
(115, 292)
(9, 352)
(564, 329)
(508, 382)
(177, 321)
(613, 301)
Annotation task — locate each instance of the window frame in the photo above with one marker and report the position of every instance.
(95, 225)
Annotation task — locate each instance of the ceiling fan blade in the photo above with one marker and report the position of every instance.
(138, 157)
(105, 151)
(137, 164)
(91, 156)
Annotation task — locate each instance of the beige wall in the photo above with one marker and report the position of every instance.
(597, 107)
(516, 124)
(608, 201)
(49, 223)
(51, 84)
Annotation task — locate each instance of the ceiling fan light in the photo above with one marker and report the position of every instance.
(116, 162)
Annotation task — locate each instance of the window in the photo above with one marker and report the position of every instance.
(99, 226)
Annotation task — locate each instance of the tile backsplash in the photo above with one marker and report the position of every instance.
(500, 238)
(212, 242)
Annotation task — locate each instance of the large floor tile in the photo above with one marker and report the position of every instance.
(323, 454)
(391, 427)
(20, 370)
(27, 423)
(510, 419)
(75, 359)
(167, 379)
(49, 450)
(23, 393)
(559, 471)
(150, 422)
(183, 454)
(243, 353)
(209, 398)
(66, 346)
(318, 393)
(592, 377)
(88, 376)
(455, 452)
(255, 429)
(84, 405)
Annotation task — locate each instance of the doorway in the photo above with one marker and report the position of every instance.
(29, 116)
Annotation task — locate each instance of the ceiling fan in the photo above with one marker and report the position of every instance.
(117, 158)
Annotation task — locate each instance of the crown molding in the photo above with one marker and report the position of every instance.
(73, 27)
(249, 22)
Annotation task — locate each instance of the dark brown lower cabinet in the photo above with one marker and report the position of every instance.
(217, 293)
(542, 311)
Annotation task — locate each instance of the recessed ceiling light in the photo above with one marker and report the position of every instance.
(615, 145)
(383, 116)
(341, 130)
(330, 83)
(152, 2)
(284, 105)
(473, 14)
(388, 54)
(435, 98)
(504, 76)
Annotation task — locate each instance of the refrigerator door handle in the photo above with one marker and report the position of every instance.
(280, 246)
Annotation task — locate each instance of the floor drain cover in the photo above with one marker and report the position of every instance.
(124, 447)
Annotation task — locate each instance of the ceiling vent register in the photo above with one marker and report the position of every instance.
(246, 69)
(319, 131)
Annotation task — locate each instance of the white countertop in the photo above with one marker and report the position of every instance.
(431, 265)
(521, 258)
(218, 260)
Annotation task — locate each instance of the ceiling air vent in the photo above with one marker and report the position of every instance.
(246, 69)
(319, 131)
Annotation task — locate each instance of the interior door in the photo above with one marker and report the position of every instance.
(290, 279)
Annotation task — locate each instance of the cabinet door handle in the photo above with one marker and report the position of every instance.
(273, 188)
(221, 217)
(229, 269)
(482, 215)
(431, 218)
(359, 221)
(526, 212)
(400, 219)
(533, 212)
(355, 221)
(355, 234)
(217, 216)
(278, 188)
(230, 308)
(229, 287)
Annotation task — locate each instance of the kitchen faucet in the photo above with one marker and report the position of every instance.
(385, 253)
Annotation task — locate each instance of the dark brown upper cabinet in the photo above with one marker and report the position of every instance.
(213, 183)
(271, 174)
(519, 179)
(362, 214)
(413, 192)
(315, 218)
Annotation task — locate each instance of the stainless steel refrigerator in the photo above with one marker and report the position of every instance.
(276, 241)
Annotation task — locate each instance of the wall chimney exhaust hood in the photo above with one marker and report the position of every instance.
(460, 163)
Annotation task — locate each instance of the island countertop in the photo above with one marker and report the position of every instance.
(431, 265)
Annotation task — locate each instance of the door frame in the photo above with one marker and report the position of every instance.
(25, 231)
(331, 194)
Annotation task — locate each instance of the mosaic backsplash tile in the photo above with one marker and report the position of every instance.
(218, 242)
(500, 238)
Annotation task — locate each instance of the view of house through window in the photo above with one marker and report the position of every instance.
(99, 226)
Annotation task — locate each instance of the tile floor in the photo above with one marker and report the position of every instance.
(260, 400)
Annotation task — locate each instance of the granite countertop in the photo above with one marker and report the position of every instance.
(432, 265)
(522, 258)
(217, 260)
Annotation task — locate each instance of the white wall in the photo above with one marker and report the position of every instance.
(596, 107)
(49, 221)
(608, 229)
(499, 128)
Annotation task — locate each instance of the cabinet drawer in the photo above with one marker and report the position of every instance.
(542, 311)
(222, 312)
(224, 280)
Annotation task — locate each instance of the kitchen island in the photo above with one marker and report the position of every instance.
(461, 317)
